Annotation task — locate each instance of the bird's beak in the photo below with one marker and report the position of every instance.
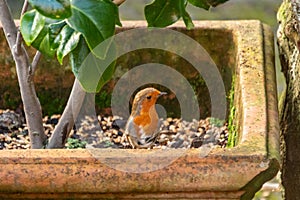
(162, 93)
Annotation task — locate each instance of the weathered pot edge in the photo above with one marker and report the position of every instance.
(272, 118)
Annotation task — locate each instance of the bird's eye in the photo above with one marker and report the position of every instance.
(148, 97)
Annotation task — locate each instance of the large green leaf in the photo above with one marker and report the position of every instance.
(32, 23)
(34, 29)
(109, 71)
(95, 19)
(206, 4)
(56, 9)
(69, 40)
(91, 71)
(78, 55)
(42, 43)
(162, 13)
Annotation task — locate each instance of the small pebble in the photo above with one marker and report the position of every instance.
(177, 144)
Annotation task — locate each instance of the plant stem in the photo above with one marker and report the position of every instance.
(67, 120)
(32, 108)
(19, 35)
(35, 61)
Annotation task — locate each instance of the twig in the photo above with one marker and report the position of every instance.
(35, 61)
(19, 35)
(8, 24)
(25, 6)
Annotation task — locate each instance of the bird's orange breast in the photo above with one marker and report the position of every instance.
(142, 120)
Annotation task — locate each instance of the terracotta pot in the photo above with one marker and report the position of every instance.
(230, 173)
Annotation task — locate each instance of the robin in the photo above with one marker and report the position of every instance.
(142, 127)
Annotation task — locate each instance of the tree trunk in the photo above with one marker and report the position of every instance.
(32, 107)
(289, 44)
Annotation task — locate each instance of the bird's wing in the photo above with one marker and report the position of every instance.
(130, 128)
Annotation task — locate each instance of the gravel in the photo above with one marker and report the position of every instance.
(107, 132)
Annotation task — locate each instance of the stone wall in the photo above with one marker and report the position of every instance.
(54, 82)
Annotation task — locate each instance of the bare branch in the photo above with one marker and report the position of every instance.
(118, 2)
(35, 61)
(8, 24)
(25, 7)
(67, 120)
(19, 35)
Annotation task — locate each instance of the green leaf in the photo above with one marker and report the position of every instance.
(215, 3)
(95, 19)
(69, 40)
(91, 71)
(78, 55)
(185, 16)
(107, 75)
(42, 43)
(117, 17)
(187, 20)
(206, 4)
(162, 13)
(56, 9)
(32, 23)
(36, 32)
(200, 4)
(54, 36)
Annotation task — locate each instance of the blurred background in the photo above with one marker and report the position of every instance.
(264, 11)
